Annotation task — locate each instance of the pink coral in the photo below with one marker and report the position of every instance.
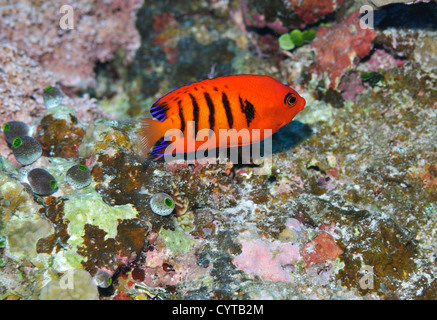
(382, 60)
(268, 260)
(338, 48)
(350, 85)
(100, 27)
(312, 10)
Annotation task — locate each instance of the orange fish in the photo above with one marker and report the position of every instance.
(230, 102)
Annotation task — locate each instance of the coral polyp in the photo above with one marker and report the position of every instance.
(103, 279)
(42, 182)
(78, 176)
(162, 204)
(26, 150)
(52, 97)
(14, 129)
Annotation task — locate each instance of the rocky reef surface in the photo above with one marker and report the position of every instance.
(347, 209)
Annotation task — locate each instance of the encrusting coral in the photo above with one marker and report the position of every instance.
(73, 285)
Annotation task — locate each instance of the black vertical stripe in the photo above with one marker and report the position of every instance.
(228, 110)
(211, 110)
(181, 116)
(195, 114)
(248, 109)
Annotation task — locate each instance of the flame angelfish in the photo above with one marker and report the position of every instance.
(231, 102)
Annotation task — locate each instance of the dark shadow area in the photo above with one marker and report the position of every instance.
(416, 16)
(291, 135)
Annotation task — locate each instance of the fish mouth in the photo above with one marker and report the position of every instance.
(302, 104)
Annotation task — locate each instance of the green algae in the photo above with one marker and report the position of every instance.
(89, 208)
(286, 42)
(177, 241)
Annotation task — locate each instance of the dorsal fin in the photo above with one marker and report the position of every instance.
(161, 106)
(159, 111)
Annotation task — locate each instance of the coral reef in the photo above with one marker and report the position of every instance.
(99, 28)
(349, 194)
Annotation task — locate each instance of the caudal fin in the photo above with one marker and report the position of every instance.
(150, 132)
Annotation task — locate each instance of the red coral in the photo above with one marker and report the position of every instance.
(320, 249)
(122, 296)
(312, 10)
(138, 274)
(338, 47)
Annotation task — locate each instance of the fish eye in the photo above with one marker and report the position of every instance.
(290, 99)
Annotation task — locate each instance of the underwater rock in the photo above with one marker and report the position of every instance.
(391, 257)
(14, 129)
(60, 133)
(274, 15)
(381, 60)
(100, 28)
(425, 53)
(166, 30)
(22, 78)
(42, 182)
(336, 54)
(26, 150)
(177, 241)
(350, 85)
(104, 135)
